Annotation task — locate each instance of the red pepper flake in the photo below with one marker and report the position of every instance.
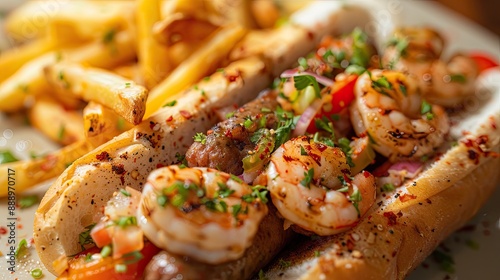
(49, 163)
(350, 245)
(151, 124)
(366, 174)
(3, 230)
(185, 114)
(159, 165)
(169, 119)
(118, 168)
(391, 218)
(122, 179)
(473, 156)
(407, 197)
(492, 122)
(104, 156)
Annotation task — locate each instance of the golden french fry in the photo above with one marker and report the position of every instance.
(101, 124)
(203, 61)
(235, 11)
(182, 28)
(129, 71)
(52, 119)
(153, 57)
(121, 95)
(35, 171)
(29, 79)
(68, 20)
(13, 59)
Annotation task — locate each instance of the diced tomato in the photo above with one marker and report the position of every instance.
(483, 61)
(100, 235)
(126, 240)
(104, 268)
(341, 95)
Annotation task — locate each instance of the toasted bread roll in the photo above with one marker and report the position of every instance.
(409, 223)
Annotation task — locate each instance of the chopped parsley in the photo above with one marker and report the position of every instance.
(425, 109)
(356, 198)
(444, 260)
(170, 104)
(345, 146)
(303, 152)
(109, 36)
(247, 123)
(126, 221)
(223, 191)
(200, 137)
(229, 115)
(308, 178)
(303, 81)
(458, 78)
(6, 156)
(381, 83)
(28, 201)
(403, 90)
(84, 238)
(388, 187)
(259, 192)
(132, 257)
(284, 264)
(125, 192)
(61, 132)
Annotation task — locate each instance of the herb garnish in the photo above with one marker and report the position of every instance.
(200, 137)
(84, 238)
(308, 177)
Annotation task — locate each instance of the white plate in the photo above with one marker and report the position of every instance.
(475, 251)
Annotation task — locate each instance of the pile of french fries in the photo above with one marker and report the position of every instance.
(85, 71)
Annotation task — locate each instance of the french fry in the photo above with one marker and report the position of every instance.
(121, 95)
(67, 19)
(101, 124)
(13, 59)
(129, 71)
(29, 80)
(182, 28)
(203, 61)
(35, 171)
(51, 118)
(153, 57)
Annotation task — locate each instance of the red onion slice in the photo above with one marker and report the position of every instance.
(295, 72)
(307, 117)
(411, 167)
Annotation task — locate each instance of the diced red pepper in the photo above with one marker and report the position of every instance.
(483, 61)
(340, 96)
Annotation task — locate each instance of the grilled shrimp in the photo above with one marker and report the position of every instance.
(201, 213)
(417, 51)
(311, 186)
(389, 108)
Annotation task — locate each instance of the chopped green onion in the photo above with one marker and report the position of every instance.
(28, 201)
(6, 157)
(106, 251)
(125, 192)
(458, 78)
(170, 104)
(23, 245)
(121, 268)
(36, 273)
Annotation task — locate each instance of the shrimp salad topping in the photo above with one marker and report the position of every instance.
(344, 125)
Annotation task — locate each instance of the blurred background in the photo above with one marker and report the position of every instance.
(484, 12)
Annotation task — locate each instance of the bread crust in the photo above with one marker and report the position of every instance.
(406, 225)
